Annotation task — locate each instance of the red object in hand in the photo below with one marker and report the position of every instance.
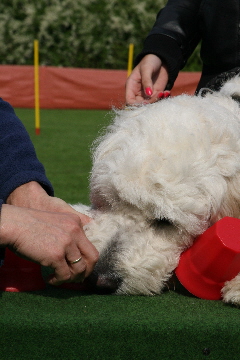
(213, 259)
(17, 274)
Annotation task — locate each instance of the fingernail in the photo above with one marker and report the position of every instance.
(160, 95)
(166, 93)
(148, 91)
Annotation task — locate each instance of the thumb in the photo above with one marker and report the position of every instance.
(84, 218)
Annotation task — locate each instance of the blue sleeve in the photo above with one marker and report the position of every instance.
(18, 160)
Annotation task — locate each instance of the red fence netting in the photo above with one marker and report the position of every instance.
(74, 88)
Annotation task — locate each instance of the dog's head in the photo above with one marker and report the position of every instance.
(136, 256)
(171, 160)
(161, 175)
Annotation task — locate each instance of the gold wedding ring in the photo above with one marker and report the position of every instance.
(75, 261)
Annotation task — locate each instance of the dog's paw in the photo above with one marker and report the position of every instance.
(231, 291)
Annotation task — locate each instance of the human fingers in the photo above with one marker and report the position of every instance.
(139, 85)
(48, 239)
(150, 77)
(32, 195)
(149, 69)
(74, 265)
(134, 93)
(160, 84)
(159, 75)
(71, 268)
(89, 254)
(58, 205)
(61, 274)
(85, 219)
(79, 247)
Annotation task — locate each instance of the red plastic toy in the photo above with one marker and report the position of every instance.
(17, 274)
(213, 259)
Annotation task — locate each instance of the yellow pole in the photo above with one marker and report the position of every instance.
(36, 87)
(130, 58)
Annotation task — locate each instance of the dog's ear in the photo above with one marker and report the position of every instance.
(231, 88)
(218, 83)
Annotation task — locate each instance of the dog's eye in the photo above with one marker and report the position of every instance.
(236, 97)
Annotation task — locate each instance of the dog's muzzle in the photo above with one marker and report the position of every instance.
(104, 283)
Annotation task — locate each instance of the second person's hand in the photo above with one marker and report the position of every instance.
(147, 82)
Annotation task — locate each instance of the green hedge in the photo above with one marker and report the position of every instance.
(75, 33)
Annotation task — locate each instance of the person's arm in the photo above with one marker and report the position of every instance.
(51, 234)
(33, 223)
(172, 39)
(18, 161)
(174, 35)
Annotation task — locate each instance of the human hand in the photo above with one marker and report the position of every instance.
(50, 239)
(147, 82)
(31, 195)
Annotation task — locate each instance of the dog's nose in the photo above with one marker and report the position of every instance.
(104, 283)
(107, 282)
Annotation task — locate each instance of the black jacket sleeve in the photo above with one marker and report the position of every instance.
(18, 160)
(174, 35)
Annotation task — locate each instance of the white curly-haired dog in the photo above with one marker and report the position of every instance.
(162, 174)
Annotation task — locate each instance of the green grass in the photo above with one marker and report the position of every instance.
(64, 146)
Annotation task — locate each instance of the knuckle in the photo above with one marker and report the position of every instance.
(65, 277)
(71, 221)
(82, 269)
(95, 256)
(65, 239)
(82, 266)
(58, 255)
(76, 229)
(68, 241)
(53, 257)
(74, 225)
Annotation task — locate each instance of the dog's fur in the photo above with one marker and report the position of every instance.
(162, 174)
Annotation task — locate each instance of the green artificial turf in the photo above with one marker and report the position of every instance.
(70, 325)
(63, 147)
(56, 323)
